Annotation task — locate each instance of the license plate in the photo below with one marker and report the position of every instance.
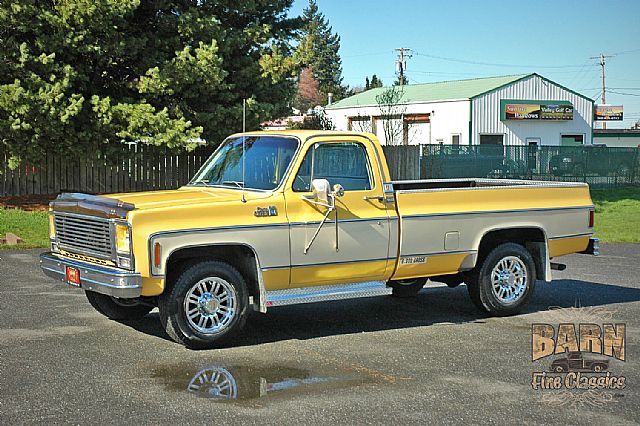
(73, 276)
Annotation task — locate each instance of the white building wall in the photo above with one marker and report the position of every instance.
(447, 118)
(486, 114)
(617, 142)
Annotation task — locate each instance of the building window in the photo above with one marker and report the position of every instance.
(361, 123)
(572, 140)
(491, 139)
(413, 121)
(455, 139)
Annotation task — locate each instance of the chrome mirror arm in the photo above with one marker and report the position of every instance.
(324, 219)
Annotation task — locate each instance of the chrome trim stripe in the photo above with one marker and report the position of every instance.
(587, 234)
(417, 216)
(439, 253)
(373, 219)
(216, 228)
(306, 265)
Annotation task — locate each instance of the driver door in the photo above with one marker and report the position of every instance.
(356, 247)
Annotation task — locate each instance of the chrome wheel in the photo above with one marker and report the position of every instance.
(509, 279)
(210, 305)
(214, 382)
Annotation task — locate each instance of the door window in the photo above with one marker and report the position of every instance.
(344, 163)
(491, 139)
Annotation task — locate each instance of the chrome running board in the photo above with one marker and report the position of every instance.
(294, 296)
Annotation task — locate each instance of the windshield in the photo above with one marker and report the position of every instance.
(266, 159)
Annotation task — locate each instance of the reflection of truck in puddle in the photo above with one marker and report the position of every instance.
(240, 383)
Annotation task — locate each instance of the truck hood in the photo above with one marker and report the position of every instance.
(117, 205)
(183, 196)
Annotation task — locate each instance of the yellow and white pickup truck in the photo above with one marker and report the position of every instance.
(279, 218)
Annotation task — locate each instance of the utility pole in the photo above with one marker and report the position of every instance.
(602, 58)
(401, 64)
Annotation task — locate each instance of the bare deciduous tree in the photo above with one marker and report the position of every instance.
(391, 114)
(362, 123)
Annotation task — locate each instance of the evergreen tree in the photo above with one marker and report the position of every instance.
(82, 75)
(318, 49)
(375, 82)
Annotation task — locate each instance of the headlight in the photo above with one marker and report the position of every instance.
(52, 227)
(123, 238)
(567, 160)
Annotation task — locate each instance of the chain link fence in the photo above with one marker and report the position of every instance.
(599, 166)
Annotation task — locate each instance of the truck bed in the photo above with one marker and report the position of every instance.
(438, 184)
(443, 220)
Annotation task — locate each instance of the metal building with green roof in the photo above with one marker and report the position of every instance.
(521, 109)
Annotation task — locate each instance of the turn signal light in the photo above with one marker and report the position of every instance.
(52, 227)
(591, 218)
(156, 255)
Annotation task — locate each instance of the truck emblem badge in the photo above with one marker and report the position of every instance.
(413, 259)
(266, 211)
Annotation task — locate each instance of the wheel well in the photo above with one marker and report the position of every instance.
(239, 256)
(526, 237)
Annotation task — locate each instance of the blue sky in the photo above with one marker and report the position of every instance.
(465, 39)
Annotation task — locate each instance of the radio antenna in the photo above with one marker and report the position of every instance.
(244, 129)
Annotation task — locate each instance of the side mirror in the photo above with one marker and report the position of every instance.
(338, 190)
(321, 190)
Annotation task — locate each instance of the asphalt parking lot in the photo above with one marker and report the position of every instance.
(429, 360)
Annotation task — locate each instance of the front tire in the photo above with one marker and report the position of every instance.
(117, 309)
(407, 288)
(206, 306)
(505, 280)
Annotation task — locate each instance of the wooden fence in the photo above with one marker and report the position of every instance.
(137, 168)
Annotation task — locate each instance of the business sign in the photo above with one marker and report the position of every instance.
(609, 113)
(535, 110)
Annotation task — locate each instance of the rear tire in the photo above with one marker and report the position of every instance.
(117, 309)
(206, 306)
(505, 280)
(407, 288)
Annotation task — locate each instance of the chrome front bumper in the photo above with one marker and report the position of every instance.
(101, 279)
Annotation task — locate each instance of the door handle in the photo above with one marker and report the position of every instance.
(373, 197)
(379, 198)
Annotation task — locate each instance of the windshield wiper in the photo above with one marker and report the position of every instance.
(234, 182)
(201, 183)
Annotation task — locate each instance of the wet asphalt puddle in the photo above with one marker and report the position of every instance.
(252, 381)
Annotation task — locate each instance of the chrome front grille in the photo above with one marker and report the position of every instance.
(84, 235)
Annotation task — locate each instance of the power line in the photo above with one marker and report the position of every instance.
(626, 52)
(624, 94)
(465, 61)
